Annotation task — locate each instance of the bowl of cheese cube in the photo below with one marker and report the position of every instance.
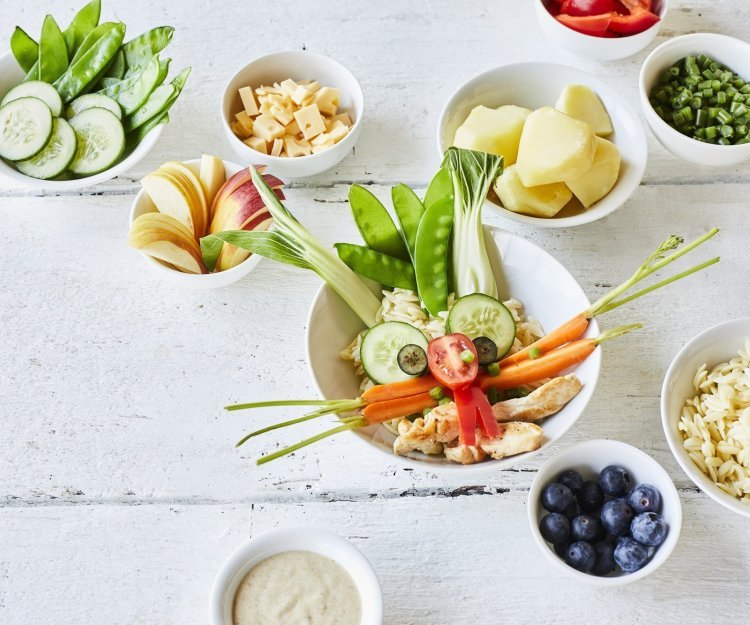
(297, 112)
(574, 150)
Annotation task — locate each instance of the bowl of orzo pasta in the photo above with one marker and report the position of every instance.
(538, 291)
(705, 410)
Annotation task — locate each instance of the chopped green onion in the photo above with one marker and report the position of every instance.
(493, 396)
(534, 353)
(467, 356)
(426, 411)
(436, 392)
(493, 369)
(445, 400)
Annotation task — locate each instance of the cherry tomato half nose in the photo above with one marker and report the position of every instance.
(453, 360)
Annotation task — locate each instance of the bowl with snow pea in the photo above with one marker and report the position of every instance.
(80, 105)
(695, 95)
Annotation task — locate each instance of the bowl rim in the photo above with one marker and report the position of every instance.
(283, 159)
(29, 183)
(450, 467)
(648, 110)
(241, 270)
(265, 541)
(579, 450)
(686, 464)
(587, 216)
(607, 41)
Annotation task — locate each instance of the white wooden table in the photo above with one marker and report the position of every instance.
(120, 490)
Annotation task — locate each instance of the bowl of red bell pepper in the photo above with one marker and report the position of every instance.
(602, 29)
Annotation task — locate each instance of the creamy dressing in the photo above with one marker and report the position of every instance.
(297, 588)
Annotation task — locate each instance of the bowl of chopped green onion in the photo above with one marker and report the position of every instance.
(695, 94)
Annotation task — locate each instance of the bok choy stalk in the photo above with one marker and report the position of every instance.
(291, 243)
(472, 173)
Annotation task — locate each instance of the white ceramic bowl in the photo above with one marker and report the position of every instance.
(143, 204)
(598, 48)
(729, 51)
(589, 458)
(717, 344)
(533, 85)
(527, 273)
(270, 543)
(297, 65)
(11, 75)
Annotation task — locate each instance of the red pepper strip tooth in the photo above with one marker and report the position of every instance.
(486, 414)
(467, 415)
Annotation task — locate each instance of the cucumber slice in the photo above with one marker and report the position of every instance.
(36, 89)
(481, 315)
(380, 348)
(25, 128)
(101, 141)
(90, 101)
(57, 155)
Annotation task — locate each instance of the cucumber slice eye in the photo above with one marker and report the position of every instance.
(412, 359)
(486, 350)
(25, 128)
(479, 315)
(380, 350)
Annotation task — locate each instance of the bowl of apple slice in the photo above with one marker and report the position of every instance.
(180, 204)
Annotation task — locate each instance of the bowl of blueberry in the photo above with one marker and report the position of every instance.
(605, 512)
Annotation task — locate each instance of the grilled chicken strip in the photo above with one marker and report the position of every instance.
(440, 426)
(514, 438)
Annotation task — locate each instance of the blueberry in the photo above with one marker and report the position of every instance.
(616, 516)
(561, 549)
(614, 480)
(590, 498)
(649, 529)
(555, 528)
(556, 497)
(645, 498)
(581, 556)
(630, 555)
(585, 527)
(572, 479)
(605, 558)
(571, 511)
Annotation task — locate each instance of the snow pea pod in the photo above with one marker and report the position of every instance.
(409, 210)
(441, 186)
(135, 137)
(386, 270)
(431, 264)
(116, 69)
(153, 106)
(81, 25)
(375, 224)
(138, 51)
(24, 48)
(132, 92)
(92, 38)
(53, 55)
(163, 70)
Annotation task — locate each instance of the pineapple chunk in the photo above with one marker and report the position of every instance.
(554, 147)
(599, 180)
(544, 200)
(581, 103)
(496, 131)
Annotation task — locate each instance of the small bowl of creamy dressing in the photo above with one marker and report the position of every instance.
(296, 575)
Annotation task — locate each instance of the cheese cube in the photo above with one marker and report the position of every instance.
(296, 148)
(281, 114)
(322, 147)
(301, 93)
(338, 131)
(322, 138)
(258, 144)
(245, 123)
(343, 118)
(327, 100)
(292, 128)
(312, 85)
(310, 122)
(278, 145)
(288, 86)
(267, 128)
(248, 101)
(238, 130)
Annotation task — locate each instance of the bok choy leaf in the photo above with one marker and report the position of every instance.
(472, 174)
(291, 243)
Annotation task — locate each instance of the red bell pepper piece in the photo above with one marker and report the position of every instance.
(632, 5)
(489, 423)
(638, 21)
(467, 415)
(586, 8)
(594, 25)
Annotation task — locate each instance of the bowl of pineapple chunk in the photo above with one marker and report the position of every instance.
(574, 151)
(297, 112)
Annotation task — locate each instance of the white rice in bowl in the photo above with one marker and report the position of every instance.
(715, 424)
